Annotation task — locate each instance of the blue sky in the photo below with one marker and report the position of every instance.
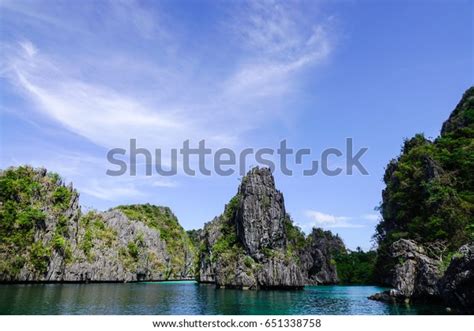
(79, 78)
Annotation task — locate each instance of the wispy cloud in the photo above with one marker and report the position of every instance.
(279, 43)
(110, 192)
(371, 217)
(319, 219)
(108, 113)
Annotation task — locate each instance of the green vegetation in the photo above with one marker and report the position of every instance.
(429, 194)
(296, 240)
(39, 256)
(27, 195)
(294, 234)
(193, 235)
(60, 243)
(228, 242)
(162, 219)
(232, 207)
(228, 250)
(61, 197)
(132, 249)
(355, 267)
(248, 261)
(95, 232)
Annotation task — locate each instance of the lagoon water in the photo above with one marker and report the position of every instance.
(191, 298)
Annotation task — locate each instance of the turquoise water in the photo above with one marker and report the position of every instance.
(190, 298)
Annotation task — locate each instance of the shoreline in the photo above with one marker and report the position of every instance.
(47, 282)
(93, 281)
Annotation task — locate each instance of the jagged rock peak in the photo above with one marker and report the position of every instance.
(318, 257)
(248, 245)
(463, 115)
(260, 214)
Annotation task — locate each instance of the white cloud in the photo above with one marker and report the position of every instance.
(105, 116)
(319, 219)
(28, 47)
(110, 192)
(371, 217)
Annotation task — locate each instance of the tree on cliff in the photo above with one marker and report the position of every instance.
(429, 193)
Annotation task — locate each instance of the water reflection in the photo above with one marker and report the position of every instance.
(190, 298)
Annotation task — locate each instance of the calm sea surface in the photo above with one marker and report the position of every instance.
(190, 298)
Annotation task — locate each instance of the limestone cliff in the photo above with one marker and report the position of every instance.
(318, 257)
(457, 285)
(414, 273)
(248, 246)
(428, 214)
(46, 237)
(421, 274)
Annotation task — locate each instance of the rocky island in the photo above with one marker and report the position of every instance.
(45, 236)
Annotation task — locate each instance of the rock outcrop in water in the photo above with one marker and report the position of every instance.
(415, 275)
(46, 237)
(249, 245)
(418, 277)
(318, 257)
(457, 285)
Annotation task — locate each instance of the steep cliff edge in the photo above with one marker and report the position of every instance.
(428, 213)
(46, 237)
(414, 275)
(318, 257)
(457, 285)
(248, 246)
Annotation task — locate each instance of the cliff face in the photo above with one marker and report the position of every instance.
(318, 257)
(428, 213)
(414, 274)
(429, 187)
(45, 236)
(457, 285)
(115, 246)
(422, 274)
(248, 245)
(260, 214)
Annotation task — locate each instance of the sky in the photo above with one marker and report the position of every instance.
(78, 79)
